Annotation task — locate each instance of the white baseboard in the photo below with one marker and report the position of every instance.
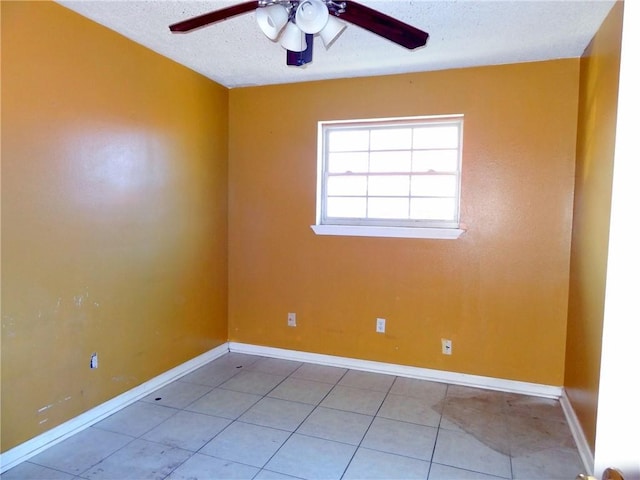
(40, 443)
(478, 381)
(32, 447)
(582, 444)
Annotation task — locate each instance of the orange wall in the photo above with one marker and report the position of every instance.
(599, 70)
(114, 216)
(499, 292)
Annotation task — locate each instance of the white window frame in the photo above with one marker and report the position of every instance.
(402, 228)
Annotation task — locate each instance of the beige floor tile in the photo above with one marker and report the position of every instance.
(245, 443)
(312, 458)
(374, 465)
(401, 438)
(187, 430)
(140, 460)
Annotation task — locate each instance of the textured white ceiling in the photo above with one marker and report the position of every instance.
(463, 33)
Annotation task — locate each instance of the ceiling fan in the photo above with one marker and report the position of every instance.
(295, 23)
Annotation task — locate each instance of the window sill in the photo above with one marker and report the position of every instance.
(391, 232)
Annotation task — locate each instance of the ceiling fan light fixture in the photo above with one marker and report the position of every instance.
(293, 38)
(332, 30)
(307, 18)
(312, 15)
(272, 20)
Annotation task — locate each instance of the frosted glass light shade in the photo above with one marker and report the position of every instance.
(312, 16)
(332, 31)
(272, 20)
(293, 38)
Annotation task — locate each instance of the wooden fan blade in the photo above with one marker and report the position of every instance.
(388, 27)
(298, 59)
(212, 17)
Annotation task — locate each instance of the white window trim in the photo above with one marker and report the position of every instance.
(390, 232)
(438, 233)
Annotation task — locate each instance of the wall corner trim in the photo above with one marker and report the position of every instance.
(28, 449)
(586, 455)
(490, 383)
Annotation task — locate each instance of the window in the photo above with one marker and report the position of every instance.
(390, 177)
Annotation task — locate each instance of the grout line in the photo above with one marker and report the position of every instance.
(435, 441)
(373, 419)
(308, 415)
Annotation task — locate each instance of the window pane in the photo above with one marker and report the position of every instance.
(403, 172)
(348, 140)
(392, 185)
(390, 161)
(433, 209)
(434, 185)
(388, 208)
(350, 185)
(347, 207)
(435, 160)
(390, 138)
(348, 162)
(436, 137)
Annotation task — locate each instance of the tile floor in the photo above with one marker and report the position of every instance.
(244, 416)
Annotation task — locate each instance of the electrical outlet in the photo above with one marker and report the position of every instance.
(291, 319)
(93, 363)
(447, 347)
(380, 325)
